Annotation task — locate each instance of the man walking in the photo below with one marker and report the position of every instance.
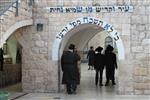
(69, 61)
(99, 66)
(90, 57)
(1, 59)
(111, 64)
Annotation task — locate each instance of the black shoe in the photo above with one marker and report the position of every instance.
(88, 68)
(69, 92)
(106, 84)
(100, 84)
(74, 92)
(113, 83)
(96, 84)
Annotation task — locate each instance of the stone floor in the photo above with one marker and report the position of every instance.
(86, 91)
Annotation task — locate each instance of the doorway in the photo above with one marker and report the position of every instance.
(11, 76)
(80, 35)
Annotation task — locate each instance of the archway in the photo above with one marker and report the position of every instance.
(12, 54)
(68, 31)
(12, 82)
(12, 29)
(83, 29)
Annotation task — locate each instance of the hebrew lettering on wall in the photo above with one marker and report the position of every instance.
(87, 20)
(90, 9)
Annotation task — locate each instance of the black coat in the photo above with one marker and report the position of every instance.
(1, 54)
(1, 59)
(90, 57)
(69, 67)
(110, 60)
(99, 61)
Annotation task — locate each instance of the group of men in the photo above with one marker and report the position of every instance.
(71, 74)
(99, 61)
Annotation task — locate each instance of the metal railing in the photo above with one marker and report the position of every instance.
(4, 8)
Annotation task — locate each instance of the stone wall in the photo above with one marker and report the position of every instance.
(40, 73)
(9, 19)
(140, 48)
(135, 34)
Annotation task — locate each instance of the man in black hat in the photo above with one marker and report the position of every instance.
(90, 57)
(69, 61)
(111, 64)
(99, 65)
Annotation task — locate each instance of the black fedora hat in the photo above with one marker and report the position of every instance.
(109, 48)
(71, 46)
(99, 49)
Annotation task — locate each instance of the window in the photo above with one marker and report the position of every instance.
(108, 41)
(30, 2)
(39, 27)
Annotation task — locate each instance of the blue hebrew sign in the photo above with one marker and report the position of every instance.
(90, 9)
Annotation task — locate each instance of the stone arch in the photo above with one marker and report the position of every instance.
(87, 20)
(13, 28)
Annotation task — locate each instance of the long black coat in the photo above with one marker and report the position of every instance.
(1, 54)
(99, 61)
(69, 67)
(110, 60)
(90, 57)
(1, 59)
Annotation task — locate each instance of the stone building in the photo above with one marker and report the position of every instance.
(44, 28)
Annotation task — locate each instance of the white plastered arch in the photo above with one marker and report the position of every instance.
(13, 28)
(87, 20)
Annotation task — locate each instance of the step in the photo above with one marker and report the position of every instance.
(4, 4)
(6, 1)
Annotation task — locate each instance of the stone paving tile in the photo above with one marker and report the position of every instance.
(86, 91)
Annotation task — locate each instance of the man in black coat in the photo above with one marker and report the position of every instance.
(111, 64)
(1, 59)
(90, 57)
(99, 66)
(69, 61)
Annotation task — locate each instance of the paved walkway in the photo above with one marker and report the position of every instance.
(86, 91)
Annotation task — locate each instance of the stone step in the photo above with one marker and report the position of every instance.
(4, 4)
(8, 18)
(2, 8)
(5, 0)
